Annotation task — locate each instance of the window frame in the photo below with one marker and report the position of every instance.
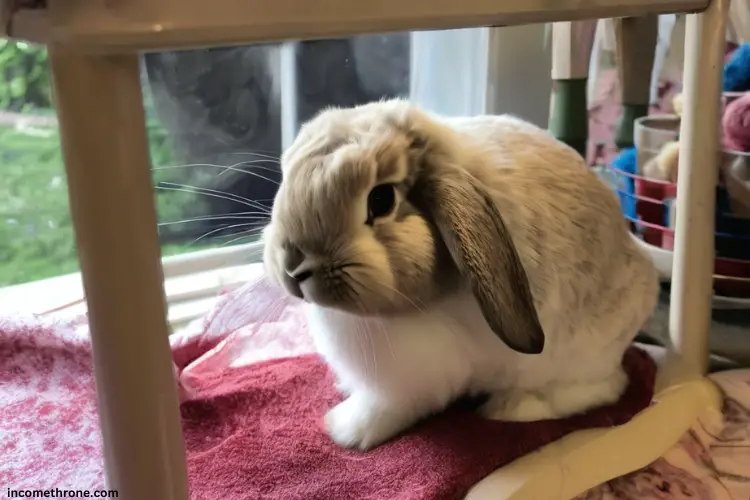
(193, 283)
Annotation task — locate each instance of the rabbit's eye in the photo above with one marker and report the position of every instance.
(380, 202)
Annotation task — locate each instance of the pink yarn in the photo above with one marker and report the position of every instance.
(736, 124)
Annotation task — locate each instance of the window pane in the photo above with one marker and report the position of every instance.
(217, 122)
(219, 119)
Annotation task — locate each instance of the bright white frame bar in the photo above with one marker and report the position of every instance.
(694, 252)
(103, 132)
(288, 93)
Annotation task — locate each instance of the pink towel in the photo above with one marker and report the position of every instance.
(49, 428)
(49, 431)
(255, 433)
(255, 395)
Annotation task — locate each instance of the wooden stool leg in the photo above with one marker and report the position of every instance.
(636, 47)
(692, 271)
(739, 19)
(102, 124)
(571, 54)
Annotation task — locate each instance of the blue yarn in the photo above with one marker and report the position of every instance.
(737, 70)
(626, 161)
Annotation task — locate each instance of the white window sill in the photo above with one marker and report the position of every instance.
(193, 283)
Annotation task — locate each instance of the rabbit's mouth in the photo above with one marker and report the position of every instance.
(345, 287)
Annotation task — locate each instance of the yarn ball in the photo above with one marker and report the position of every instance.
(626, 161)
(677, 104)
(736, 124)
(737, 70)
(663, 167)
(737, 182)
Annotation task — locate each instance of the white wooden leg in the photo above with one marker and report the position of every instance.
(102, 124)
(572, 44)
(692, 272)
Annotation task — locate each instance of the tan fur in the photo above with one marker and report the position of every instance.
(506, 267)
(328, 173)
(497, 205)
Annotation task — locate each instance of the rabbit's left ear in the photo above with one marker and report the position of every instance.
(482, 249)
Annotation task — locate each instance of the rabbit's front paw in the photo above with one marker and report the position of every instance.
(362, 422)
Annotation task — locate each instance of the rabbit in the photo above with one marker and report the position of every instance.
(448, 257)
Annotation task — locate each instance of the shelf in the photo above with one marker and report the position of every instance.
(663, 262)
(148, 25)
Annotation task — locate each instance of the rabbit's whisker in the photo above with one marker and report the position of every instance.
(351, 280)
(213, 193)
(261, 153)
(227, 168)
(357, 339)
(208, 218)
(386, 335)
(214, 231)
(392, 289)
(365, 324)
(250, 233)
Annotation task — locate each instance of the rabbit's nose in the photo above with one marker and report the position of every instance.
(300, 275)
(297, 266)
(293, 257)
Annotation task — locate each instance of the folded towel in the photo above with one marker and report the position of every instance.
(256, 433)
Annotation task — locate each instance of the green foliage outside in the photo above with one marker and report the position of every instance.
(36, 234)
(24, 79)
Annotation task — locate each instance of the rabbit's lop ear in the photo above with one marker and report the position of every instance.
(481, 247)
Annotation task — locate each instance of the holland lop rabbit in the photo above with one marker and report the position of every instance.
(442, 257)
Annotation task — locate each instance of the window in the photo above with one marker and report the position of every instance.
(217, 121)
(221, 117)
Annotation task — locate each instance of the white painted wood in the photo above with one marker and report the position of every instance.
(161, 24)
(572, 43)
(288, 93)
(103, 135)
(692, 271)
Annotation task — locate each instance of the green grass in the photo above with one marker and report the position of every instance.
(36, 231)
(36, 237)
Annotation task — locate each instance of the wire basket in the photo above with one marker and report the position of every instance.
(649, 205)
